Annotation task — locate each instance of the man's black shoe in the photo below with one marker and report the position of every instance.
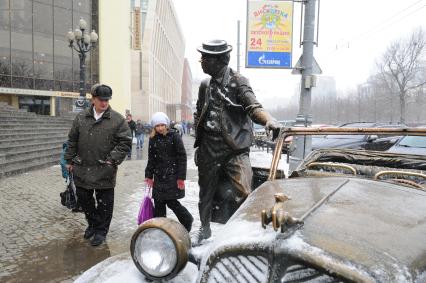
(97, 240)
(89, 233)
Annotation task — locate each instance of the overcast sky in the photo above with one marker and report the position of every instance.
(352, 35)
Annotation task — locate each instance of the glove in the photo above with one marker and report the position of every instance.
(181, 184)
(149, 182)
(274, 126)
(69, 167)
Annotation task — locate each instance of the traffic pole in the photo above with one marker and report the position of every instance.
(302, 145)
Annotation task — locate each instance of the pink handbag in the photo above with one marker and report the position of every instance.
(146, 210)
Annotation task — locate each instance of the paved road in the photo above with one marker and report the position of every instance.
(42, 241)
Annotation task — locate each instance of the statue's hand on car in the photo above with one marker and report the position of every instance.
(274, 127)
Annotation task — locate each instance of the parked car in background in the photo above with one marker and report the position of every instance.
(147, 128)
(371, 142)
(410, 145)
(259, 131)
(260, 137)
(287, 123)
(288, 140)
(344, 215)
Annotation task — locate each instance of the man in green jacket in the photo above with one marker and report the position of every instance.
(98, 142)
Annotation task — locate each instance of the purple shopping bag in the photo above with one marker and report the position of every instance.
(146, 210)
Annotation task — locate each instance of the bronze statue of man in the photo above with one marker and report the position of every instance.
(226, 107)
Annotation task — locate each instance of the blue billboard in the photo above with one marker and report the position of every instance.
(269, 59)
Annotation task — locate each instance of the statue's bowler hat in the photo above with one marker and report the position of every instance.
(215, 47)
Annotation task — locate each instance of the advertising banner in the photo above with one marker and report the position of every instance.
(269, 34)
(137, 28)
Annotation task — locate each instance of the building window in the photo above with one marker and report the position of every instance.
(34, 52)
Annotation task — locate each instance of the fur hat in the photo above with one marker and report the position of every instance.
(160, 118)
(102, 91)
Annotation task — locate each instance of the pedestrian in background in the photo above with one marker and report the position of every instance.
(188, 127)
(178, 127)
(140, 132)
(97, 143)
(132, 126)
(166, 170)
(183, 123)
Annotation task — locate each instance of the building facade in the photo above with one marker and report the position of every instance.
(38, 70)
(114, 51)
(157, 67)
(186, 100)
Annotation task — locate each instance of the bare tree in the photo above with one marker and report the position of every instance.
(400, 66)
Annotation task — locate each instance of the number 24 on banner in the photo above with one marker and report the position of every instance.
(254, 41)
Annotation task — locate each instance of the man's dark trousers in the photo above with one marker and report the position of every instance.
(98, 217)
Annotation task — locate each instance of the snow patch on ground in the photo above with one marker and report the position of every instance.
(190, 164)
(258, 158)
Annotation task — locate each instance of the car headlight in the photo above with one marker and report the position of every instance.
(159, 248)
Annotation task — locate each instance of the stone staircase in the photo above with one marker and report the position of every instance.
(29, 141)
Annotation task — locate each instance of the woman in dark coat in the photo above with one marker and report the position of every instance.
(166, 170)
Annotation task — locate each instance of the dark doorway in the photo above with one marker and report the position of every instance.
(37, 104)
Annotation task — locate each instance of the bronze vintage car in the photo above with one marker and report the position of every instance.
(342, 216)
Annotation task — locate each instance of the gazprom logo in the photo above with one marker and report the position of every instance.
(263, 61)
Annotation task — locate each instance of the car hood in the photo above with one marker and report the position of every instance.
(366, 230)
(335, 143)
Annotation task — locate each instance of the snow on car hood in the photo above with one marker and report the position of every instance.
(367, 230)
(121, 268)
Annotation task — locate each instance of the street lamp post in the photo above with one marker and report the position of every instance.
(82, 42)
